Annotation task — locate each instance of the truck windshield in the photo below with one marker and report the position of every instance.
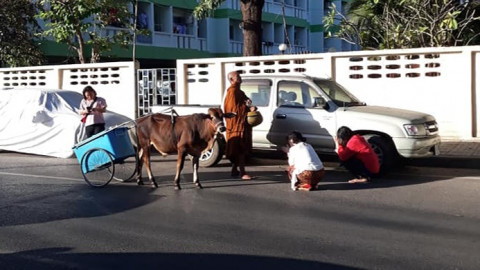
(339, 95)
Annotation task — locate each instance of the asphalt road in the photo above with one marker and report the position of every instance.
(414, 218)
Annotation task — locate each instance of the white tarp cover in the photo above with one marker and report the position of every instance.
(43, 122)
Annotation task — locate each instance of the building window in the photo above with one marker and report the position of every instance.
(182, 22)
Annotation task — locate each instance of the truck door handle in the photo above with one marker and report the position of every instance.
(281, 116)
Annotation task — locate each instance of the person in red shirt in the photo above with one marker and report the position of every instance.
(356, 155)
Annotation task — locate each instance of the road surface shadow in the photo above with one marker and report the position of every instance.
(59, 202)
(335, 179)
(51, 200)
(60, 258)
(338, 180)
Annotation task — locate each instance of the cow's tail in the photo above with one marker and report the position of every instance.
(132, 134)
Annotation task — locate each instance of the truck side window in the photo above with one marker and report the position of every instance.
(257, 90)
(312, 96)
(334, 91)
(297, 94)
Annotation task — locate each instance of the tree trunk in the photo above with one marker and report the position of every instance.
(81, 55)
(252, 26)
(95, 57)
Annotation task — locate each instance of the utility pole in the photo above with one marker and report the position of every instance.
(134, 46)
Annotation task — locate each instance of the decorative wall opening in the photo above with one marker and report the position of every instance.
(93, 76)
(380, 66)
(393, 75)
(295, 66)
(31, 78)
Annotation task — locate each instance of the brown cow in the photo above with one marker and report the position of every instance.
(185, 135)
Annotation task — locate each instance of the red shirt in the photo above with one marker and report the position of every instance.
(359, 148)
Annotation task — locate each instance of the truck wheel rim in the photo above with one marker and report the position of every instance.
(206, 155)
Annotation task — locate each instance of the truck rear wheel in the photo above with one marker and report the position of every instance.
(213, 156)
(384, 150)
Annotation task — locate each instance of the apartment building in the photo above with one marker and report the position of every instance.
(176, 34)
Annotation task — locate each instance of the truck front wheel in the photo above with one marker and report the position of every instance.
(384, 150)
(213, 156)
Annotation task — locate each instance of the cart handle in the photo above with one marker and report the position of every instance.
(126, 124)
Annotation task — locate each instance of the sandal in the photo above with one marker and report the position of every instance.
(361, 180)
(305, 187)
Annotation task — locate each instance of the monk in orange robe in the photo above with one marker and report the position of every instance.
(239, 132)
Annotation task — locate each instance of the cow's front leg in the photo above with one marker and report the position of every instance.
(195, 164)
(180, 163)
(146, 160)
(150, 175)
(141, 155)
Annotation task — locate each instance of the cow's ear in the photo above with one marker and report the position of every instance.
(229, 115)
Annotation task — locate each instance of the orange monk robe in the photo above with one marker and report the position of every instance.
(239, 132)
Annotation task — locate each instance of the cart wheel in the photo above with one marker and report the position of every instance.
(126, 169)
(97, 167)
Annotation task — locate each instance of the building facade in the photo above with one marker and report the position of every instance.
(176, 34)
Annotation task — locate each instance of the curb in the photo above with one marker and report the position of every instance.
(462, 162)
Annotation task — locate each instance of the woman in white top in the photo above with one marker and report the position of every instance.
(305, 168)
(92, 109)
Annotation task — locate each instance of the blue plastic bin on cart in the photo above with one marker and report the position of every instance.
(115, 141)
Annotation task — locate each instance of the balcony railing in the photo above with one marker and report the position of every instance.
(236, 46)
(273, 7)
(292, 11)
(183, 41)
(202, 42)
(165, 39)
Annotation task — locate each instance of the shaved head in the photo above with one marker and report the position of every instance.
(234, 77)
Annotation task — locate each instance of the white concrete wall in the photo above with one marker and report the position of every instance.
(113, 81)
(476, 93)
(437, 81)
(206, 76)
(444, 81)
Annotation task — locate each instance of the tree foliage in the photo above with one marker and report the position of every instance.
(79, 23)
(18, 45)
(389, 24)
(252, 22)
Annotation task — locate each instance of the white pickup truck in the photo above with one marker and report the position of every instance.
(317, 108)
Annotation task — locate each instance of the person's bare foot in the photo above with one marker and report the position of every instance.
(246, 177)
(358, 180)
